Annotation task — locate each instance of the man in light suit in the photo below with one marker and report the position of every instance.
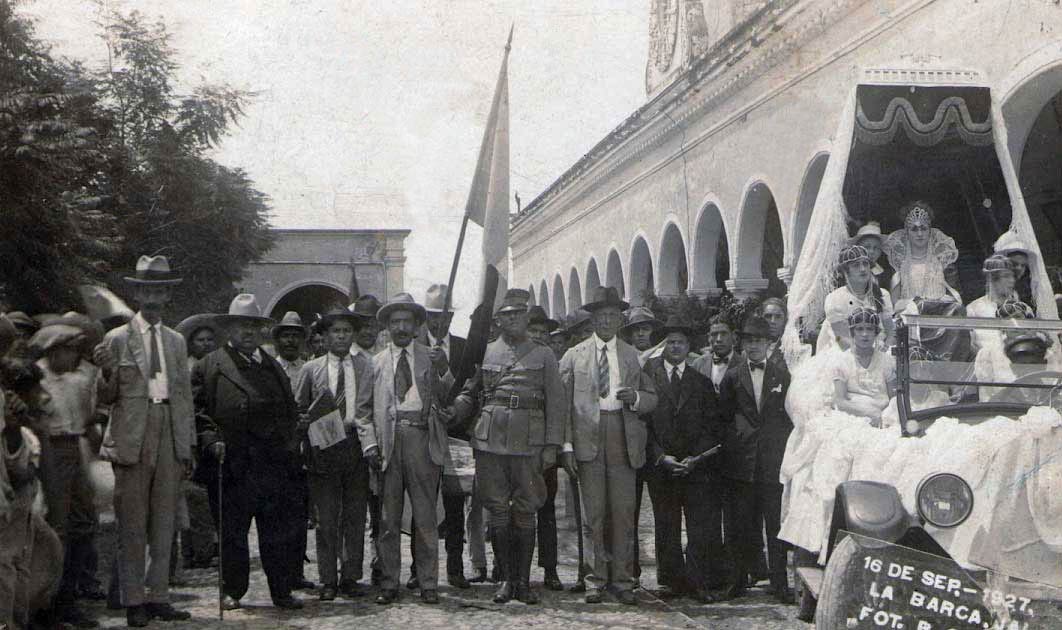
(149, 440)
(338, 475)
(406, 440)
(605, 441)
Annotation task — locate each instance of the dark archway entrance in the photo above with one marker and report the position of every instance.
(309, 300)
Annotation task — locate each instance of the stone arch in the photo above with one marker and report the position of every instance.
(575, 291)
(560, 308)
(307, 298)
(641, 270)
(593, 278)
(711, 251)
(614, 272)
(760, 251)
(543, 296)
(531, 291)
(673, 276)
(809, 192)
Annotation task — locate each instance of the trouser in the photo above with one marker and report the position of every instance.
(197, 542)
(452, 529)
(547, 522)
(640, 481)
(145, 499)
(411, 471)
(512, 488)
(71, 512)
(265, 494)
(340, 499)
(477, 540)
(31, 562)
(699, 501)
(753, 507)
(303, 510)
(608, 492)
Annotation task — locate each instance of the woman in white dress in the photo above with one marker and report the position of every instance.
(864, 376)
(920, 253)
(999, 287)
(858, 291)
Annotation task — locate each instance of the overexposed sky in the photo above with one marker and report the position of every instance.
(370, 114)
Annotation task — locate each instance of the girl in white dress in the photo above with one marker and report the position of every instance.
(999, 287)
(864, 376)
(920, 253)
(858, 291)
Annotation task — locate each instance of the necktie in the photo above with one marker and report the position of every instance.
(156, 365)
(718, 360)
(676, 379)
(340, 394)
(757, 365)
(603, 384)
(403, 377)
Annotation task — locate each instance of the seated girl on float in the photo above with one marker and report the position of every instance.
(858, 291)
(864, 375)
(999, 288)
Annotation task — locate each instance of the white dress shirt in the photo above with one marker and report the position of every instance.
(718, 371)
(757, 383)
(157, 387)
(350, 384)
(671, 369)
(291, 368)
(610, 402)
(412, 401)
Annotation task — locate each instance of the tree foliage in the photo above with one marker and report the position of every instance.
(98, 168)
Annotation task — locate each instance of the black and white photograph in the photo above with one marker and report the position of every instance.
(575, 314)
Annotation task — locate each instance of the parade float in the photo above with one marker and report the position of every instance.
(947, 512)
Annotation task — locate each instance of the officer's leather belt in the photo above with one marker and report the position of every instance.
(517, 401)
(414, 419)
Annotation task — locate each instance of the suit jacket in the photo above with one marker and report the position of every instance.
(127, 392)
(380, 432)
(578, 369)
(226, 411)
(703, 364)
(756, 436)
(312, 391)
(684, 423)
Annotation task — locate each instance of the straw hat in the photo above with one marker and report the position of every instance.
(244, 307)
(153, 270)
(401, 302)
(435, 299)
(641, 315)
(290, 321)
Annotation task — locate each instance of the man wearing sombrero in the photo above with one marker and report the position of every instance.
(247, 420)
(149, 440)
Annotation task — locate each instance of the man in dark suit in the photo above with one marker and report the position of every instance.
(685, 434)
(722, 353)
(774, 311)
(246, 418)
(339, 383)
(753, 396)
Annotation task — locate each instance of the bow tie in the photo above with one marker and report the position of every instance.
(757, 365)
(718, 360)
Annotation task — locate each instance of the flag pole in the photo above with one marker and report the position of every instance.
(448, 302)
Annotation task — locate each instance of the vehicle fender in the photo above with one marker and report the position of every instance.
(870, 509)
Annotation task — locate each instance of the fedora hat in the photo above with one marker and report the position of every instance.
(339, 313)
(435, 299)
(514, 300)
(641, 315)
(870, 228)
(605, 296)
(675, 323)
(290, 321)
(537, 315)
(367, 306)
(401, 302)
(756, 326)
(244, 307)
(153, 270)
(194, 323)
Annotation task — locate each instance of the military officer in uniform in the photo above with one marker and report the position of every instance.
(518, 431)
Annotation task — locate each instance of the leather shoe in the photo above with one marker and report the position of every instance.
(430, 596)
(413, 583)
(458, 581)
(302, 584)
(387, 596)
(328, 593)
(552, 581)
(524, 593)
(94, 593)
(478, 576)
(287, 603)
(627, 598)
(229, 603)
(73, 615)
(166, 612)
(593, 595)
(578, 587)
(351, 589)
(784, 595)
(137, 617)
(504, 593)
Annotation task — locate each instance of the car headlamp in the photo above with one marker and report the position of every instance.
(944, 500)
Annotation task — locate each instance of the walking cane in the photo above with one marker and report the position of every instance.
(221, 539)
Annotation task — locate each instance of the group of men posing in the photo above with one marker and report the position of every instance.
(365, 427)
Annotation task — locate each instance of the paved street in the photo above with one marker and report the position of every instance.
(461, 609)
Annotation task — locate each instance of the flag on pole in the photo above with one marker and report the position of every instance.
(488, 207)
